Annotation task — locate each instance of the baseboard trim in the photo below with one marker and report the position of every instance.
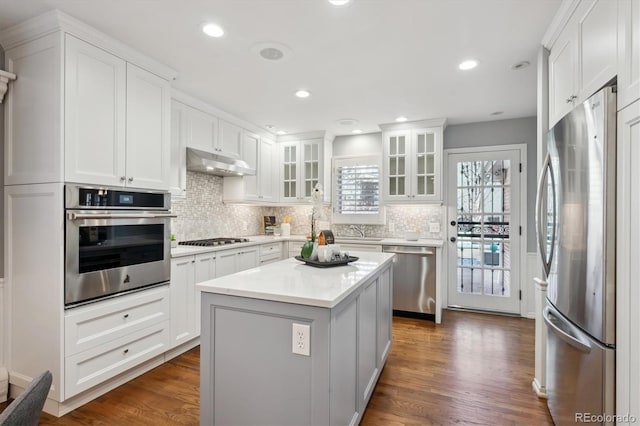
(541, 391)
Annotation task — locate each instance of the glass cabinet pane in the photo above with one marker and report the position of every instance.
(431, 142)
(430, 160)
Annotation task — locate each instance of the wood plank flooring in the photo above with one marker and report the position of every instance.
(471, 369)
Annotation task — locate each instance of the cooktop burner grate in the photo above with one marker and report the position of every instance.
(208, 242)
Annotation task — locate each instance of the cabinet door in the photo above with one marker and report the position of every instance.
(182, 288)
(266, 171)
(425, 162)
(311, 166)
(562, 71)
(205, 271)
(250, 152)
(628, 268)
(247, 258)
(226, 262)
(94, 103)
(178, 176)
(229, 139)
(597, 41)
(289, 153)
(148, 110)
(396, 166)
(628, 52)
(202, 130)
(367, 349)
(385, 314)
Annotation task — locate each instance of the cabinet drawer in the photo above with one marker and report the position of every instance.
(269, 258)
(94, 366)
(93, 325)
(270, 249)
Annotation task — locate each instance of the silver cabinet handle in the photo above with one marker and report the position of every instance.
(130, 179)
(419, 253)
(551, 319)
(79, 216)
(123, 178)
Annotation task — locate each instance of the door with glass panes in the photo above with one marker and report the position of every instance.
(484, 241)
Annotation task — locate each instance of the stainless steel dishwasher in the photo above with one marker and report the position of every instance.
(414, 281)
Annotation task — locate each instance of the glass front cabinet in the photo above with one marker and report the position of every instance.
(301, 168)
(413, 165)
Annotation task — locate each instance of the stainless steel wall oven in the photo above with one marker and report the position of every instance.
(116, 240)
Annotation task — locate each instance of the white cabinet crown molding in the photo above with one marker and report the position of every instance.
(5, 78)
(560, 20)
(55, 20)
(434, 122)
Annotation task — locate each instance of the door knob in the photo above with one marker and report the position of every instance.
(453, 223)
(452, 239)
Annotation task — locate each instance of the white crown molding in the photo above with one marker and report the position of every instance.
(54, 20)
(562, 16)
(316, 134)
(435, 122)
(5, 78)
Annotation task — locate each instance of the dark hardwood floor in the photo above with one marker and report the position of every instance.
(471, 369)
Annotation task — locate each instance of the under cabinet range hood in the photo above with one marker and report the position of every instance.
(217, 164)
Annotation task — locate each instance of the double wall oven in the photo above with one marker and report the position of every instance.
(116, 240)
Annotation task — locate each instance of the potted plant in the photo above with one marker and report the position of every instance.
(174, 242)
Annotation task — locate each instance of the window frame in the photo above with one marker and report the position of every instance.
(353, 161)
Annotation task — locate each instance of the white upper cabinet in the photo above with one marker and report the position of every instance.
(584, 56)
(628, 52)
(178, 176)
(412, 170)
(267, 173)
(94, 117)
(95, 114)
(202, 130)
(301, 168)
(148, 127)
(229, 139)
(250, 150)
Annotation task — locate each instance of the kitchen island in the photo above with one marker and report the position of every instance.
(338, 320)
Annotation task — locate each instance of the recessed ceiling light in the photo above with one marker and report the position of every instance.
(401, 119)
(347, 121)
(213, 30)
(271, 53)
(281, 132)
(303, 93)
(497, 113)
(520, 65)
(270, 126)
(468, 64)
(339, 2)
(356, 131)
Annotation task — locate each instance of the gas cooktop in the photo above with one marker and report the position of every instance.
(213, 242)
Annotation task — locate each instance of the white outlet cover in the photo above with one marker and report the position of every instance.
(301, 339)
(434, 227)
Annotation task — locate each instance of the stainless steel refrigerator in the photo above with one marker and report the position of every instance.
(576, 235)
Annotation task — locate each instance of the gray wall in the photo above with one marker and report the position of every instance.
(369, 143)
(503, 132)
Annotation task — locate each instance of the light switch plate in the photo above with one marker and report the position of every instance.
(434, 227)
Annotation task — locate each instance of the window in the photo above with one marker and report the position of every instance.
(357, 190)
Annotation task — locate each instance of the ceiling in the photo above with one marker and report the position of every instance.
(371, 60)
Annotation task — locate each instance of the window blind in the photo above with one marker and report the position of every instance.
(358, 189)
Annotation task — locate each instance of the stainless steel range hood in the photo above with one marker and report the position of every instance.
(217, 164)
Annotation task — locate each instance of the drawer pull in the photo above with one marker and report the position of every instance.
(126, 316)
(126, 351)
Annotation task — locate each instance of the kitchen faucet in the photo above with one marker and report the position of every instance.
(360, 229)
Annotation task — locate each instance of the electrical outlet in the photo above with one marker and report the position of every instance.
(434, 227)
(392, 227)
(301, 339)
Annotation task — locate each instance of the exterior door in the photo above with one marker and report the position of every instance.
(484, 230)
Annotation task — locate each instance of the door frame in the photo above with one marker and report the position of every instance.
(522, 275)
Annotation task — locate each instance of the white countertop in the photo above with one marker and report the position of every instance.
(263, 239)
(291, 281)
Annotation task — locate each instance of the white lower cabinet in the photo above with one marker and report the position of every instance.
(205, 271)
(106, 338)
(271, 252)
(183, 299)
(375, 248)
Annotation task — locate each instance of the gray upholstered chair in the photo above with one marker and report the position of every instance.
(25, 410)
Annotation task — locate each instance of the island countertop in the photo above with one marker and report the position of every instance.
(291, 281)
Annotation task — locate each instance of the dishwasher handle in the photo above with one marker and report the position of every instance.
(417, 253)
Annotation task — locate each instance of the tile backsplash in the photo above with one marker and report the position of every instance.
(202, 214)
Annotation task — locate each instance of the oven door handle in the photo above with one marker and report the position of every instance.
(80, 216)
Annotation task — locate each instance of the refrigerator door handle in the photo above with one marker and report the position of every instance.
(562, 330)
(542, 218)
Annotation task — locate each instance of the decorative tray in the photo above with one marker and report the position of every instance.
(333, 263)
